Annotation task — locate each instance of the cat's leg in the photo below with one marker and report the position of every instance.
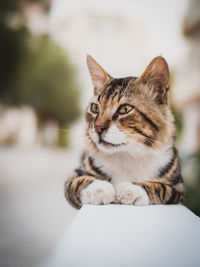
(148, 193)
(161, 193)
(87, 189)
(74, 186)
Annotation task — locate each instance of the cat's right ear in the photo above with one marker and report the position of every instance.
(100, 78)
(156, 77)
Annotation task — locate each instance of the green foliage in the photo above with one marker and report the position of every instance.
(192, 182)
(9, 6)
(178, 122)
(46, 81)
(34, 70)
(190, 170)
(13, 50)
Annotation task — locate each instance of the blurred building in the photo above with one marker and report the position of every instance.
(187, 80)
(18, 126)
(36, 16)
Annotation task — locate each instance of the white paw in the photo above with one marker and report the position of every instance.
(128, 193)
(98, 192)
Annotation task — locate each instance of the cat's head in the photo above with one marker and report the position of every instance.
(129, 114)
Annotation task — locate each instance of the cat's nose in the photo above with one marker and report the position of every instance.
(100, 128)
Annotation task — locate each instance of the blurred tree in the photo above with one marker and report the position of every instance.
(178, 120)
(192, 182)
(46, 81)
(34, 70)
(190, 170)
(191, 105)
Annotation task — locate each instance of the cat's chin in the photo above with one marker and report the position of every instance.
(133, 148)
(107, 147)
(110, 148)
(110, 145)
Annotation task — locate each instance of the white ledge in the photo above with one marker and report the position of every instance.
(130, 236)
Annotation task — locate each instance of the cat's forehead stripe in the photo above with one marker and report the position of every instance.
(116, 87)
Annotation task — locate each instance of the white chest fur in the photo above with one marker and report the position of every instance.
(124, 167)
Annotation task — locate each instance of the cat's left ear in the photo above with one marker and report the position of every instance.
(156, 78)
(100, 78)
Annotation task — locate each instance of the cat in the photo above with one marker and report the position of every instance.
(131, 157)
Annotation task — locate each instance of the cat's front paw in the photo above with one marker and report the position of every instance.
(97, 193)
(130, 194)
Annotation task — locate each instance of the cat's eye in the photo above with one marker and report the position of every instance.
(126, 108)
(94, 108)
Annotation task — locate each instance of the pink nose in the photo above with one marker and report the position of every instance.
(100, 128)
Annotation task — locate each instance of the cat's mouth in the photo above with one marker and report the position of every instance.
(108, 144)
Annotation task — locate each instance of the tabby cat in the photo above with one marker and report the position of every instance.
(131, 156)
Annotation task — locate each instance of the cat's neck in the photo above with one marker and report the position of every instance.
(134, 155)
(132, 167)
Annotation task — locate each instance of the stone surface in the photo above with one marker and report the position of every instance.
(127, 236)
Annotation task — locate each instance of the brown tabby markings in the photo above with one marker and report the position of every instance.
(74, 186)
(141, 122)
(150, 122)
(168, 186)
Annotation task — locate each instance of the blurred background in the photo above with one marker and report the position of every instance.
(45, 86)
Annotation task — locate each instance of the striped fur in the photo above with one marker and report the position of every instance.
(136, 146)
